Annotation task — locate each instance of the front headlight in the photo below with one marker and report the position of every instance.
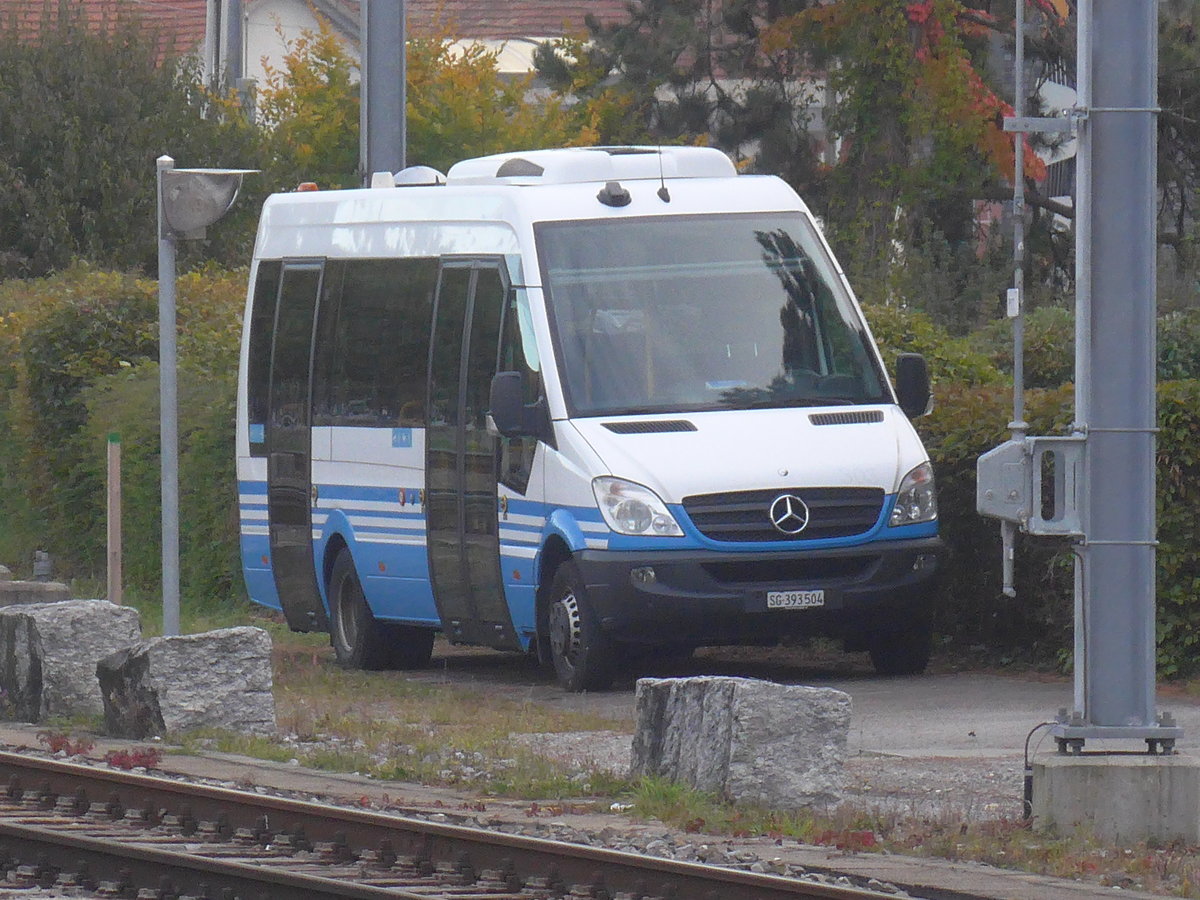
(630, 508)
(916, 500)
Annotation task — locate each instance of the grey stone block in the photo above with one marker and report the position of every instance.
(48, 655)
(218, 679)
(14, 593)
(781, 746)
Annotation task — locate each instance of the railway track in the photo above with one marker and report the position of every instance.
(104, 833)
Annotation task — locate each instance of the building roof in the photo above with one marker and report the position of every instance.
(493, 19)
(178, 24)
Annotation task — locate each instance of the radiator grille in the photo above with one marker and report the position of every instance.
(746, 515)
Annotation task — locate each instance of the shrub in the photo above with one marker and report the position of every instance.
(951, 359)
(1178, 483)
(128, 403)
(1050, 346)
(1179, 345)
(966, 422)
(76, 362)
(1037, 623)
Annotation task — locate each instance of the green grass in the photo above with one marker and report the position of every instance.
(391, 727)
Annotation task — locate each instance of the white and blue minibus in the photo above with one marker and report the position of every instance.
(592, 403)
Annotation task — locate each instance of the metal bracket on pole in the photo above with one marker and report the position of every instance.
(1034, 483)
(1045, 124)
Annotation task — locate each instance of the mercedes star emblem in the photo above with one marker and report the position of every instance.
(789, 514)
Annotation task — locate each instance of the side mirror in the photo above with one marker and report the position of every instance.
(508, 413)
(912, 385)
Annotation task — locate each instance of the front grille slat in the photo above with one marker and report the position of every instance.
(744, 516)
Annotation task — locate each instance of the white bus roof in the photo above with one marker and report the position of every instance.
(488, 205)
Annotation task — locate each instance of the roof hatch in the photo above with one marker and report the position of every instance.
(575, 165)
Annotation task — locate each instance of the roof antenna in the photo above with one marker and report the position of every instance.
(663, 194)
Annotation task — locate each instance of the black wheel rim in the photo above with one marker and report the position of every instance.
(346, 612)
(566, 639)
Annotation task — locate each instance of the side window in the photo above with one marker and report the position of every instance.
(291, 359)
(327, 320)
(258, 372)
(375, 336)
(519, 353)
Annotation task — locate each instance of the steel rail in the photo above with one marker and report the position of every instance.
(599, 871)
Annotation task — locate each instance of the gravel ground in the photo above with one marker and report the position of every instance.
(927, 788)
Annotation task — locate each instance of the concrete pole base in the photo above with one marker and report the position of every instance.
(1118, 798)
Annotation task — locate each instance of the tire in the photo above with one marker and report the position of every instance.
(903, 648)
(358, 640)
(409, 646)
(584, 659)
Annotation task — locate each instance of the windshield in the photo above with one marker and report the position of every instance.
(690, 313)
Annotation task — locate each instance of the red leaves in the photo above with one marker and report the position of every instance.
(60, 743)
(137, 758)
(919, 13)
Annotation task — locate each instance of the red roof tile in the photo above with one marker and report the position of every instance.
(490, 19)
(179, 24)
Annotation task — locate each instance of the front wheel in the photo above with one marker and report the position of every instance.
(582, 655)
(904, 644)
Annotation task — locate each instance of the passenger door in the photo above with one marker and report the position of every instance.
(289, 449)
(460, 457)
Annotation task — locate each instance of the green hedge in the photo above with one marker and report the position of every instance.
(77, 363)
(1050, 346)
(972, 609)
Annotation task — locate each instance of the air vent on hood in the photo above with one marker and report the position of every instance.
(656, 427)
(865, 417)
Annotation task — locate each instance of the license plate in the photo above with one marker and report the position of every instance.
(795, 599)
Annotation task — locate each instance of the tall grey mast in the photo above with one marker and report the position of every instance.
(1102, 476)
(383, 90)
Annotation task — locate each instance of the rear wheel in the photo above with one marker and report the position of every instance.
(359, 640)
(904, 644)
(583, 657)
(410, 646)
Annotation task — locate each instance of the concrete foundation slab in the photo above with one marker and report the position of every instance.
(1119, 798)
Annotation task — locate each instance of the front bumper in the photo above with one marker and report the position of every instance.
(705, 597)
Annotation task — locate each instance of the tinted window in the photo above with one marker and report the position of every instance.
(292, 357)
(373, 339)
(258, 373)
(518, 353)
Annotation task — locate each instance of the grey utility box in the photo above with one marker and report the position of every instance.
(1034, 482)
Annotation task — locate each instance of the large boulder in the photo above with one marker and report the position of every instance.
(49, 651)
(781, 746)
(218, 679)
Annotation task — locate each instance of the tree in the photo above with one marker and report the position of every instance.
(687, 71)
(85, 109)
(458, 106)
(1179, 130)
(878, 112)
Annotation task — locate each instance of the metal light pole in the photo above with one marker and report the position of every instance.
(189, 200)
